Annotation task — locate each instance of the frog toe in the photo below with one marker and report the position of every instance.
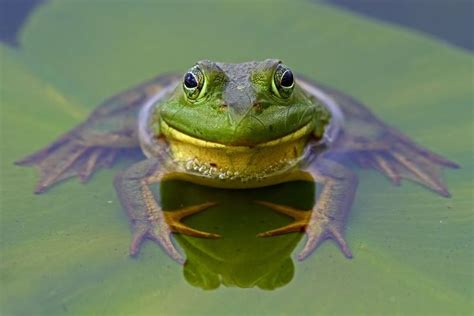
(173, 219)
(420, 169)
(96, 157)
(67, 159)
(297, 226)
(318, 233)
(161, 236)
(138, 236)
(397, 157)
(163, 239)
(301, 219)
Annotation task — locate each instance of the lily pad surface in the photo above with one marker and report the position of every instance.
(65, 252)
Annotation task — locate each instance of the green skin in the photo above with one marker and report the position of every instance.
(251, 106)
(237, 105)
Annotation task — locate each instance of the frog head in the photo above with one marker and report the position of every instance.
(241, 104)
(242, 121)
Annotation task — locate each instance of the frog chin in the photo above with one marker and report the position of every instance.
(229, 161)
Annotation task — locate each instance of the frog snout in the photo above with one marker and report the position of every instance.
(225, 106)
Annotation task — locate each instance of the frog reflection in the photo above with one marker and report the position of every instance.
(238, 258)
(204, 271)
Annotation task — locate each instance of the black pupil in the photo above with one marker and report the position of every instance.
(190, 81)
(287, 79)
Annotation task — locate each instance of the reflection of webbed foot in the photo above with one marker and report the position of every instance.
(173, 219)
(317, 226)
(161, 224)
(301, 219)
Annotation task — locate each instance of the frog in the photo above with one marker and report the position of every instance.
(237, 126)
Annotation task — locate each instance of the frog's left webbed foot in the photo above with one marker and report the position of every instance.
(147, 218)
(327, 219)
(398, 157)
(317, 226)
(373, 144)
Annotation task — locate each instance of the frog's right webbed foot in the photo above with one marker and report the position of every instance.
(109, 131)
(68, 157)
(160, 224)
(146, 216)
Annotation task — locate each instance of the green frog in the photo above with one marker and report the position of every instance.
(237, 126)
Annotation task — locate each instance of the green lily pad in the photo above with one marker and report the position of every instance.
(66, 251)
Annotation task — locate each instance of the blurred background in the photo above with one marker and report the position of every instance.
(449, 20)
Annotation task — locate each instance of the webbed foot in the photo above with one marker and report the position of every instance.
(161, 224)
(66, 158)
(397, 157)
(109, 131)
(147, 218)
(316, 225)
(320, 228)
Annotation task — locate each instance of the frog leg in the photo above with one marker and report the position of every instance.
(326, 220)
(371, 143)
(147, 218)
(109, 131)
(397, 157)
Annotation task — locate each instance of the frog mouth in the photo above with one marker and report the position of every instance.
(179, 136)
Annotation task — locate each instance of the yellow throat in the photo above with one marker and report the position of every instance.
(231, 162)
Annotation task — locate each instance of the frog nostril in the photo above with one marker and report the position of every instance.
(257, 106)
(223, 107)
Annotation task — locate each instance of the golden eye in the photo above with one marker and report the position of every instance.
(283, 81)
(193, 82)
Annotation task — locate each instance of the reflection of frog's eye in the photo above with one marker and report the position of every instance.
(283, 81)
(193, 82)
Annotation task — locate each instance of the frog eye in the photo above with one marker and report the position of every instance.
(283, 81)
(193, 82)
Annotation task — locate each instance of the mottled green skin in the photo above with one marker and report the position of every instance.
(239, 106)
